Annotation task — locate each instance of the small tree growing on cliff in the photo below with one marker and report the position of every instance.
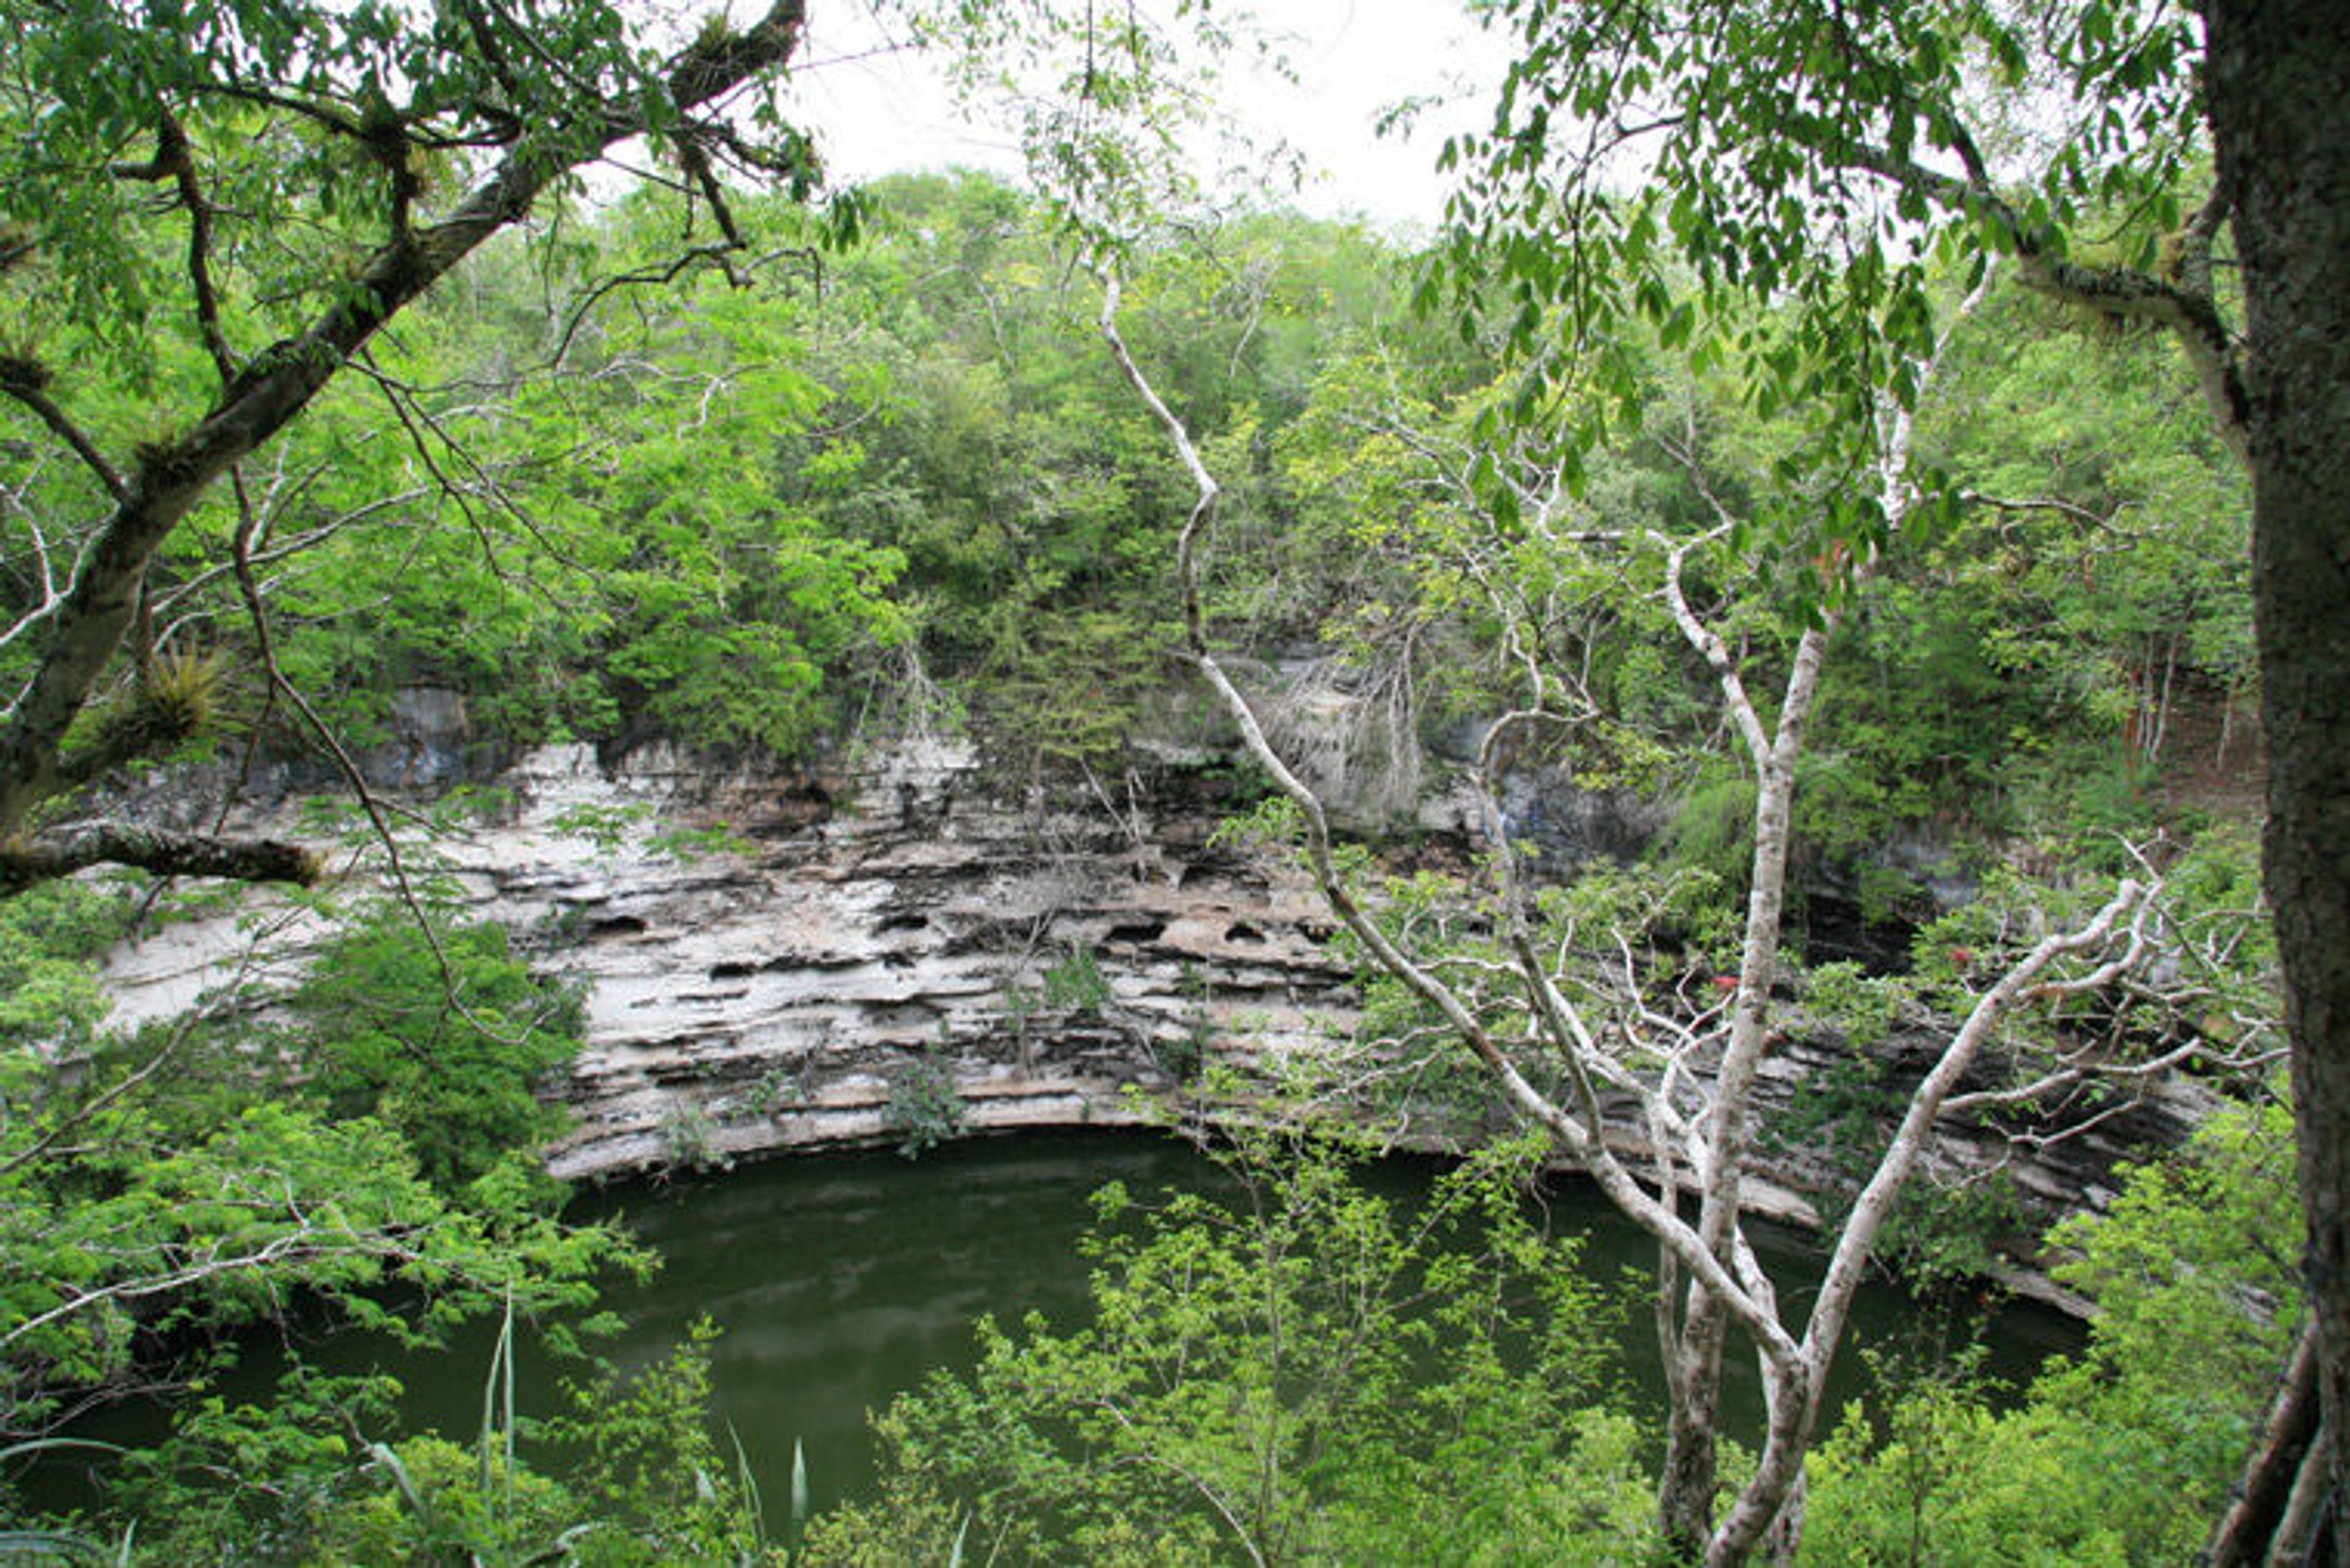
(1571, 1060)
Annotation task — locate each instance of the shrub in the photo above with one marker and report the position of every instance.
(1309, 1369)
(925, 1107)
(449, 1056)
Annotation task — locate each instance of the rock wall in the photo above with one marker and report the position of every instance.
(897, 904)
(766, 995)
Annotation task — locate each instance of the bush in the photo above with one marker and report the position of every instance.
(1308, 1369)
(451, 1058)
(925, 1107)
(2124, 1454)
(1076, 983)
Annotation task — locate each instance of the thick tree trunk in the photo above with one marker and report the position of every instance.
(2281, 122)
(2279, 1451)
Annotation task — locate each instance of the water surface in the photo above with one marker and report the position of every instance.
(838, 1280)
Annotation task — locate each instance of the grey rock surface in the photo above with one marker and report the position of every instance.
(897, 905)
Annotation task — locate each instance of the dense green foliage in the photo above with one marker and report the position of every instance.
(363, 1150)
(901, 487)
(628, 1474)
(1837, 163)
(1300, 1370)
(1303, 1373)
(453, 1067)
(624, 1470)
(2016, 669)
(2126, 1454)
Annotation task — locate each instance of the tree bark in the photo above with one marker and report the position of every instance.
(2281, 125)
(1689, 1481)
(2280, 1452)
(2301, 1539)
(1690, 1477)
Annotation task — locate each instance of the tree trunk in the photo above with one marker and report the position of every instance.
(1690, 1478)
(2301, 1540)
(2280, 124)
(2281, 1450)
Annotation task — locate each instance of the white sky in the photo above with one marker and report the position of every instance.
(876, 111)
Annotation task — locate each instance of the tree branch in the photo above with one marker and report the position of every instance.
(2017, 986)
(326, 116)
(163, 851)
(1710, 646)
(310, 1242)
(174, 156)
(2187, 308)
(28, 382)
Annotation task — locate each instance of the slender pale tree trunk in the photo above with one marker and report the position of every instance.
(1689, 1481)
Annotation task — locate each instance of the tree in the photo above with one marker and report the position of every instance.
(2274, 78)
(1296, 1370)
(323, 169)
(1564, 1048)
(1829, 154)
(2124, 1452)
(163, 1186)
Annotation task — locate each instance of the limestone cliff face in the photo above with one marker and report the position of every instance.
(894, 911)
(902, 904)
(859, 918)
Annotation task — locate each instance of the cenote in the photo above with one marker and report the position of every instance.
(837, 1281)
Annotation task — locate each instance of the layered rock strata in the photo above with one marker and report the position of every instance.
(841, 928)
(829, 931)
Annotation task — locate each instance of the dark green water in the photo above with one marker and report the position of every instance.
(838, 1280)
